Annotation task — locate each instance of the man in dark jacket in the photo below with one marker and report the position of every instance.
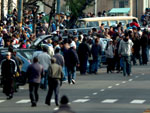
(83, 53)
(71, 62)
(34, 73)
(55, 76)
(8, 68)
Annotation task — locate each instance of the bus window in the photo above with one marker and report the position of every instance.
(92, 24)
(123, 22)
(129, 21)
(113, 23)
(105, 23)
(81, 24)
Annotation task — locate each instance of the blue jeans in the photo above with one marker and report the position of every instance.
(44, 81)
(65, 73)
(71, 74)
(126, 65)
(95, 65)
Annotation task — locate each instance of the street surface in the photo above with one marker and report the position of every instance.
(101, 93)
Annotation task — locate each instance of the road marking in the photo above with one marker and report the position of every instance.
(24, 101)
(55, 109)
(102, 90)
(130, 80)
(110, 101)
(117, 84)
(21, 88)
(137, 101)
(1, 101)
(143, 73)
(86, 97)
(81, 100)
(123, 82)
(136, 76)
(109, 87)
(95, 93)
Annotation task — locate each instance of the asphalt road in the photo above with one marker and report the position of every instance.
(101, 93)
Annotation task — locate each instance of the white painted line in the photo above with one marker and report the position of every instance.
(22, 88)
(123, 82)
(143, 73)
(86, 97)
(81, 100)
(117, 84)
(95, 93)
(109, 87)
(102, 90)
(136, 76)
(55, 109)
(109, 101)
(1, 101)
(137, 101)
(130, 80)
(24, 101)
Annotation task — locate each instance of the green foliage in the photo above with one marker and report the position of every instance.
(77, 6)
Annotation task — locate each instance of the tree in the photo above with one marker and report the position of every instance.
(77, 7)
(32, 4)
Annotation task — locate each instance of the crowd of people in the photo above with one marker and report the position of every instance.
(64, 57)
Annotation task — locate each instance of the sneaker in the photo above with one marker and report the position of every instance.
(73, 81)
(33, 105)
(9, 97)
(47, 103)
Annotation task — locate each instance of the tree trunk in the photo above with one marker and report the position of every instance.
(2, 9)
(52, 12)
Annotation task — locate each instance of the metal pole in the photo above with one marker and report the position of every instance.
(136, 8)
(131, 7)
(20, 10)
(95, 7)
(58, 6)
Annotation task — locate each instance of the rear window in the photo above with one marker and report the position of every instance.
(113, 23)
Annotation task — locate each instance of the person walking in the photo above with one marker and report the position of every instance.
(64, 107)
(44, 60)
(125, 51)
(55, 77)
(83, 53)
(96, 52)
(110, 56)
(144, 44)
(72, 61)
(8, 71)
(34, 74)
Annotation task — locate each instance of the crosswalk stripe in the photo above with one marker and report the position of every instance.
(110, 101)
(24, 101)
(1, 101)
(137, 101)
(81, 100)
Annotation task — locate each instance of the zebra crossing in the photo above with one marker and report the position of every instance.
(105, 101)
